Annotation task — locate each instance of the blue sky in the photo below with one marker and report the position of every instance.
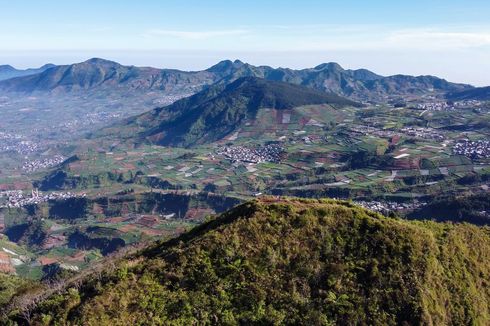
(448, 38)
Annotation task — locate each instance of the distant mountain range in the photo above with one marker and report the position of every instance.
(359, 85)
(104, 74)
(480, 93)
(8, 72)
(217, 111)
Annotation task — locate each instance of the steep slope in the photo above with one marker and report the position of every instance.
(7, 71)
(361, 85)
(218, 111)
(292, 262)
(480, 94)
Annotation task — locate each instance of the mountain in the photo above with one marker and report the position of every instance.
(220, 110)
(480, 94)
(103, 74)
(7, 71)
(287, 262)
(360, 85)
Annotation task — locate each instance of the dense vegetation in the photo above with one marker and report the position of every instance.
(291, 262)
(31, 233)
(11, 285)
(473, 209)
(479, 93)
(218, 111)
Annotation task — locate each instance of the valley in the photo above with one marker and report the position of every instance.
(88, 174)
(235, 163)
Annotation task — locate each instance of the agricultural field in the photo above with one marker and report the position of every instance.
(388, 159)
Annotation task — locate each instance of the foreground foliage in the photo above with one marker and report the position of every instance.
(292, 262)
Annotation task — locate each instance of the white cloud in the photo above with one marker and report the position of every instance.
(437, 40)
(196, 35)
(376, 37)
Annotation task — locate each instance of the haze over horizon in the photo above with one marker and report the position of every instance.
(449, 39)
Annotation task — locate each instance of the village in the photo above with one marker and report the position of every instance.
(17, 198)
(268, 153)
(448, 106)
(33, 166)
(479, 149)
(16, 143)
(423, 133)
(89, 119)
(388, 207)
(367, 130)
(416, 132)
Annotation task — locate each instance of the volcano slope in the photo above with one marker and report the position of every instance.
(216, 112)
(290, 261)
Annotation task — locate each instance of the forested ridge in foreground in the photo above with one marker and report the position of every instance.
(289, 261)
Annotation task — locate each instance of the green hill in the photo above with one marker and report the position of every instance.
(480, 93)
(289, 261)
(218, 111)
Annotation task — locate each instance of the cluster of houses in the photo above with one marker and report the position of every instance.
(416, 132)
(388, 207)
(91, 119)
(17, 198)
(9, 136)
(169, 99)
(477, 149)
(311, 139)
(268, 153)
(367, 130)
(424, 133)
(435, 106)
(467, 104)
(36, 165)
(16, 143)
(448, 106)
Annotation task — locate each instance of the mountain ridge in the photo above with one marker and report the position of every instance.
(9, 72)
(360, 84)
(290, 261)
(99, 73)
(479, 93)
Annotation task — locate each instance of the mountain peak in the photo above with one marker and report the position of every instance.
(9, 72)
(329, 66)
(281, 95)
(7, 68)
(99, 61)
(361, 84)
(225, 66)
(216, 112)
(47, 66)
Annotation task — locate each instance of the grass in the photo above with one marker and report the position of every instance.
(294, 261)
